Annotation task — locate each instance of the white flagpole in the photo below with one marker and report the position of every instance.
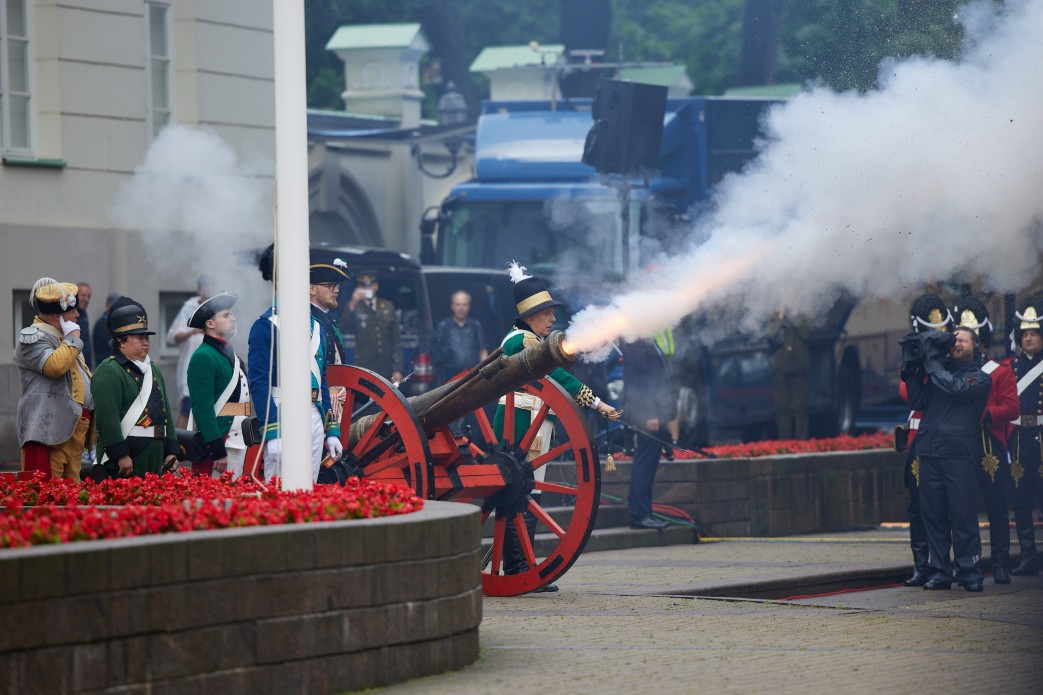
(292, 243)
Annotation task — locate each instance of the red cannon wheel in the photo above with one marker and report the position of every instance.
(564, 534)
(394, 447)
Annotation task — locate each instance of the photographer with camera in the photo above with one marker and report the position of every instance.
(928, 312)
(942, 377)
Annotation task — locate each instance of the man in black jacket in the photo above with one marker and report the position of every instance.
(952, 392)
(649, 406)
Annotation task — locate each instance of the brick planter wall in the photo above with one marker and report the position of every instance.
(781, 495)
(313, 608)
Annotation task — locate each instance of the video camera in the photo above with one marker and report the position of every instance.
(916, 347)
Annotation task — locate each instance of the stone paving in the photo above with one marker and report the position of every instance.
(632, 621)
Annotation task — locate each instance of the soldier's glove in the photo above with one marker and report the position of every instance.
(67, 326)
(335, 447)
(613, 415)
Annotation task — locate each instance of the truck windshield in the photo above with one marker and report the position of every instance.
(541, 235)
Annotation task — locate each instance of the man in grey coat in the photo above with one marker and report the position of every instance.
(55, 406)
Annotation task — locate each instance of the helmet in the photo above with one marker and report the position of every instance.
(929, 312)
(970, 312)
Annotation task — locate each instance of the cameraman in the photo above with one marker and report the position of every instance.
(952, 392)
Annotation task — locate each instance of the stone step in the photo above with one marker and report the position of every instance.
(609, 515)
(616, 538)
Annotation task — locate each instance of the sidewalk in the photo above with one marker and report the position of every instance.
(673, 620)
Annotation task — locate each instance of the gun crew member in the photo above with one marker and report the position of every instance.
(217, 386)
(135, 423)
(532, 325)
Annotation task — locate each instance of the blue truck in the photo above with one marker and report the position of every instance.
(533, 199)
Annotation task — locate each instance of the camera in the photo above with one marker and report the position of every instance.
(917, 347)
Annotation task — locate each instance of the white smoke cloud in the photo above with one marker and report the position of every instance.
(198, 205)
(935, 174)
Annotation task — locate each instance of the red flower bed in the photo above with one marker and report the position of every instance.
(878, 440)
(58, 511)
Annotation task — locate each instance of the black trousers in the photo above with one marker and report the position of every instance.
(642, 476)
(948, 504)
(992, 481)
(1025, 450)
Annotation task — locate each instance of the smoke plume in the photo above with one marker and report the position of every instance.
(933, 175)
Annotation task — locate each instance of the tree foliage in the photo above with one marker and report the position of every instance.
(840, 42)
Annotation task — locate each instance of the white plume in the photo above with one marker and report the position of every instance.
(42, 282)
(517, 272)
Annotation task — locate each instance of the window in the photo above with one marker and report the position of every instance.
(158, 37)
(16, 136)
(170, 304)
(22, 312)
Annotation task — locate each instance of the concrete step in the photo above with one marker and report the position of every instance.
(609, 515)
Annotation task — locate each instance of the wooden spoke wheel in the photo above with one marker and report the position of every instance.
(394, 446)
(515, 564)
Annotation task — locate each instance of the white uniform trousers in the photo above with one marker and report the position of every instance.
(272, 464)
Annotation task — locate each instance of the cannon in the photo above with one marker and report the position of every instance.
(389, 437)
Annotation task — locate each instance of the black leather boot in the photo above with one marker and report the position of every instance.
(918, 544)
(513, 556)
(1029, 565)
(1000, 567)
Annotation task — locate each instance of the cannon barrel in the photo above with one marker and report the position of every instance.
(497, 376)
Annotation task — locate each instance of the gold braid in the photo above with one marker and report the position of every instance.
(1016, 469)
(989, 462)
(914, 466)
(585, 397)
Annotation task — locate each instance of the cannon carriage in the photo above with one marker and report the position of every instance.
(389, 437)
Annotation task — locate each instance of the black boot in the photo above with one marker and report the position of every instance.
(1029, 565)
(918, 544)
(1000, 567)
(513, 556)
(530, 524)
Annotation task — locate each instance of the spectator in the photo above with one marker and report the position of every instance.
(952, 392)
(459, 339)
(188, 339)
(102, 343)
(374, 322)
(54, 409)
(83, 300)
(650, 405)
(135, 423)
(218, 387)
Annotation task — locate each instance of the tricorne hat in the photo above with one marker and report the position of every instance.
(334, 271)
(970, 312)
(52, 297)
(210, 308)
(530, 294)
(127, 317)
(930, 313)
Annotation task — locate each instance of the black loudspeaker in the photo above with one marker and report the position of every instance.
(628, 127)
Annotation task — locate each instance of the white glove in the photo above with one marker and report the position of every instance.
(336, 448)
(67, 326)
(274, 447)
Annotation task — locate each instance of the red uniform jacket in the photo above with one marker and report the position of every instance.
(913, 423)
(1004, 404)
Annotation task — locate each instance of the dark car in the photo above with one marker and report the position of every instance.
(401, 282)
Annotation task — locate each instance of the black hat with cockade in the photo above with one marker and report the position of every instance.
(1027, 317)
(210, 308)
(530, 294)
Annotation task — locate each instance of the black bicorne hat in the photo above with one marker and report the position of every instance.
(1027, 317)
(970, 312)
(930, 313)
(531, 295)
(210, 308)
(127, 317)
(334, 271)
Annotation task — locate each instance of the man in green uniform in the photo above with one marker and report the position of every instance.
(132, 411)
(374, 322)
(217, 386)
(532, 325)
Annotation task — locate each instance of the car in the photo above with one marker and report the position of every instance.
(401, 282)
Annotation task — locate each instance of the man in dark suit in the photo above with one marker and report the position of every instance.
(649, 405)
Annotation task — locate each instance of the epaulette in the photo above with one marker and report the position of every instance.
(30, 335)
(530, 340)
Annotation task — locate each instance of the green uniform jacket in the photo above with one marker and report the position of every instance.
(114, 387)
(514, 344)
(209, 372)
